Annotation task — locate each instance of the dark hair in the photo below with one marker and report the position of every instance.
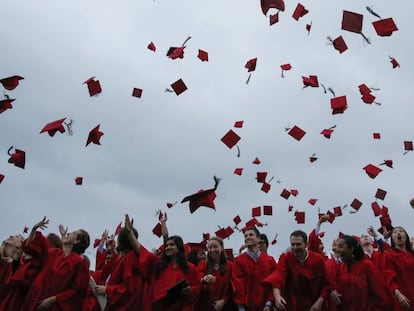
(351, 242)
(83, 243)
(181, 260)
(222, 260)
(408, 246)
(54, 241)
(264, 238)
(300, 234)
(253, 228)
(193, 257)
(124, 244)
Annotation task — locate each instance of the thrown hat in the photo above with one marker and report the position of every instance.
(299, 12)
(202, 198)
(339, 44)
(179, 87)
(312, 201)
(338, 104)
(78, 180)
(202, 55)
(352, 22)
(18, 158)
(94, 136)
(230, 139)
(272, 4)
(94, 86)
(376, 208)
(297, 133)
(151, 46)
(337, 211)
(251, 65)
(376, 135)
(285, 194)
(237, 220)
(300, 217)
(10, 83)
(356, 204)
(256, 211)
(273, 19)
(238, 171)
(256, 161)
(261, 177)
(1, 178)
(238, 124)
(53, 127)
(372, 170)
(176, 52)
(136, 92)
(311, 81)
(266, 187)
(268, 210)
(6, 104)
(380, 194)
(385, 27)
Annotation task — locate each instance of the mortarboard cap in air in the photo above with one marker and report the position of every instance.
(388, 163)
(54, 127)
(352, 22)
(308, 27)
(327, 133)
(6, 104)
(297, 133)
(385, 27)
(94, 86)
(261, 177)
(376, 135)
(285, 67)
(338, 104)
(380, 194)
(337, 211)
(94, 136)
(408, 145)
(339, 44)
(376, 208)
(300, 217)
(272, 4)
(237, 220)
(238, 171)
(202, 198)
(136, 92)
(290, 208)
(312, 201)
(330, 217)
(368, 98)
(78, 180)
(311, 81)
(268, 210)
(285, 194)
(157, 230)
(265, 187)
(394, 62)
(256, 161)
(10, 83)
(18, 158)
(230, 139)
(238, 124)
(179, 86)
(273, 19)
(251, 65)
(294, 192)
(202, 55)
(356, 204)
(151, 46)
(299, 12)
(1, 178)
(372, 170)
(176, 52)
(256, 211)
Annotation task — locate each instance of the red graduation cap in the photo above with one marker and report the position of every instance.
(364, 89)
(385, 221)
(327, 132)
(290, 208)
(330, 217)
(368, 98)
(237, 220)
(312, 201)
(18, 158)
(179, 86)
(238, 124)
(252, 223)
(313, 158)
(268, 210)
(25, 229)
(206, 236)
(388, 163)
(394, 62)
(408, 146)
(6, 104)
(118, 229)
(96, 243)
(297, 133)
(151, 46)
(54, 127)
(385, 27)
(272, 4)
(265, 187)
(273, 19)
(300, 217)
(337, 211)
(94, 136)
(229, 254)
(294, 192)
(10, 83)
(376, 135)
(376, 208)
(202, 55)
(136, 92)
(78, 180)
(372, 170)
(230, 139)
(1, 178)
(94, 86)
(285, 194)
(176, 52)
(285, 67)
(353, 22)
(238, 171)
(256, 211)
(311, 81)
(299, 12)
(338, 104)
(251, 65)
(339, 44)
(202, 198)
(169, 204)
(157, 230)
(256, 161)
(224, 233)
(380, 194)
(261, 177)
(356, 204)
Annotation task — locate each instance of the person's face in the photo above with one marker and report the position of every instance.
(13, 241)
(298, 247)
(250, 238)
(171, 248)
(214, 249)
(335, 246)
(344, 251)
(321, 247)
(71, 238)
(365, 240)
(201, 255)
(398, 236)
(263, 246)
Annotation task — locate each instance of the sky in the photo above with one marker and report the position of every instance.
(161, 147)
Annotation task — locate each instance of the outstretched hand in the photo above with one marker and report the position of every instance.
(63, 231)
(41, 224)
(129, 223)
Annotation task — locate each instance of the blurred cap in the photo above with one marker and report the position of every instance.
(157, 230)
(237, 220)
(151, 46)
(265, 187)
(372, 170)
(339, 44)
(376, 135)
(94, 136)
(202, 55)
(272, 4)
(380, 194)
(385, 27)
(136, 92)
(352, 21)
(356, 204)
(256, 161)
(311, 81)
(300, 217)
(10, 83)
(261, 177)
(376, 208)
(297, 133)
(337, 211)
(94, 86)
(238, 171)
(251, 65)
(54, 127)
(312, 201)
(256, 211)
(179, 87)
(338, 104)
(18, 158)
(268, 210)
(238, 124)
(299, 12)
(6, 104)
(285, 194)
(230, 139)
(79, 180)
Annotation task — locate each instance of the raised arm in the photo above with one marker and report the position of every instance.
(40, 225)
(136, 246)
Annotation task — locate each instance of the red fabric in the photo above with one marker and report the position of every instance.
(332, 271)
(362, 288)
(220, 289)
(6, 271)
(378, 258)
(100, 259)
(246, 280)
(313, 243)
(126, 287)
(23, 277)
(301, 284)
(399, 273)
(66, 277)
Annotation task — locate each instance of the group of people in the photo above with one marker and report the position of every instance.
(363, 273)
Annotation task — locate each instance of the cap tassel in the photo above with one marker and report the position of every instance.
(168, 90)
(10, 149)
(238, 151)
(330, 40)
(248, 79)
(372, 12)
(324, 88)
(216, 182)
(331, 91)
(69, 127)
(186, 40)
(365, 38)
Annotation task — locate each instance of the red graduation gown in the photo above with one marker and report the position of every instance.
(362, 288)
(301, 284)
(246, 279)
(399, 273)
(66, 277)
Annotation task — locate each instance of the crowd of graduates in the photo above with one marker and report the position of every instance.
(366, 272)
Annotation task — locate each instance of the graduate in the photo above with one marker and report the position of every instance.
(63, 281)
(10, 253)
(399, 270)
(359, 284)
(300, 280)
(215, 274)
(249, 270)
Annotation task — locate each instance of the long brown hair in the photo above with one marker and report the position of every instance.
(222, 259)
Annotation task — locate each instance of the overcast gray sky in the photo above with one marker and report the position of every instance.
(161, 147)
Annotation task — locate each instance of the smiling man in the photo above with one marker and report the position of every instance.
(300, 281)
(249, 270)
